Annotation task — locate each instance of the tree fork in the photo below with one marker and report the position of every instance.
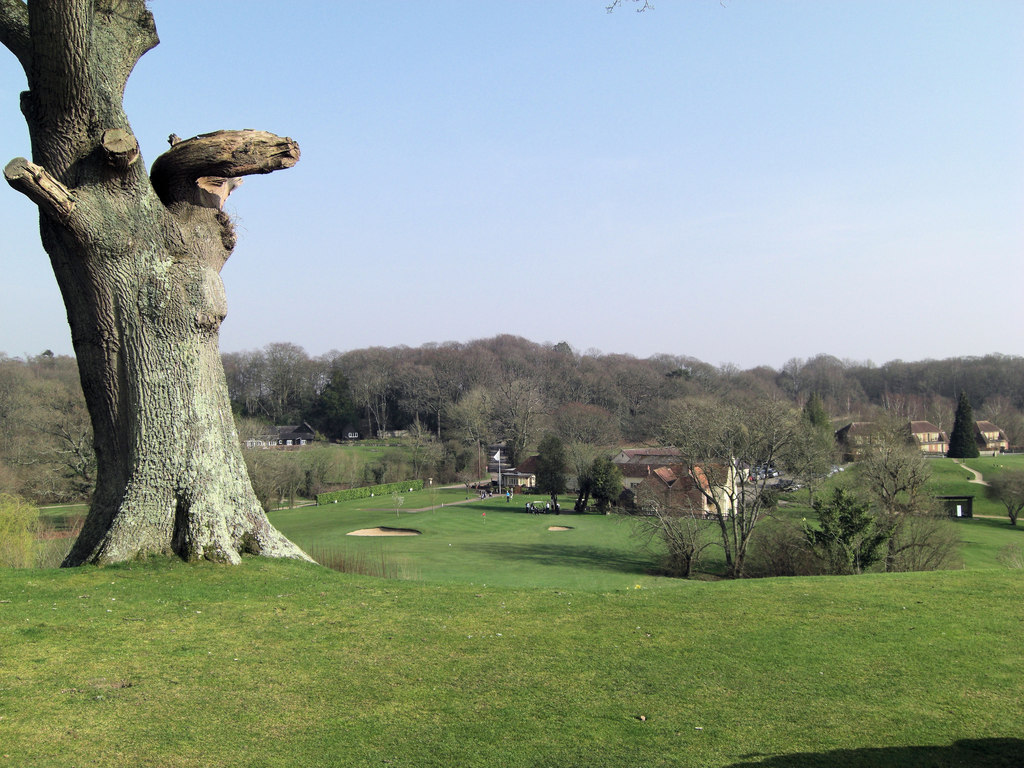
(137, 258)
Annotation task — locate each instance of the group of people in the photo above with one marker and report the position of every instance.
(535, 509)
(531, 507)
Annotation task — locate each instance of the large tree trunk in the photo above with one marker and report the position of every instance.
(138, 261)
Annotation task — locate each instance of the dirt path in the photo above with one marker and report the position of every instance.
(977, 475)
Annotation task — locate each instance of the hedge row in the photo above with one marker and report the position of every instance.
(370, 490)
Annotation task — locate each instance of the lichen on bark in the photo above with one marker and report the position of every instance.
(138, 259)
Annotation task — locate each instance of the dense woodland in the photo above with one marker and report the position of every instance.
(453, 398)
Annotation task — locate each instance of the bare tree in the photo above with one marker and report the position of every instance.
(726, 449)
(65, 420)
(372, 379)
(470, 421)
(137, 257)
(288, 376)
(1008, 489)
(448, 379)
(894, 473)
(517, 407)
(676, 521)
(247, 382)
(642, 5)
(811, 455)
(45, 434)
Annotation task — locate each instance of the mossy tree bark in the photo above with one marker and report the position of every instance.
(137, 258)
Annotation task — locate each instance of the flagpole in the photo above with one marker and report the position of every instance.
(497, 457)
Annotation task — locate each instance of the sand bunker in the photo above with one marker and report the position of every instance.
(384, 531)
(559, 527)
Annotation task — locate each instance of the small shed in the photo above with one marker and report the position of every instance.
(958, 506)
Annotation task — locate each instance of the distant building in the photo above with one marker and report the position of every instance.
(854, 438)
(662, 475)
(669, 489)
(655, 457)
(929, 438)
(524, 474)
(302, 434)
(958, 506)
(858, 435)
(285, 436)
(990, 437)
(501, 469)
(638, 464)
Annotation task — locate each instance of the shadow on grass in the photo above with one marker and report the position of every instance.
(575, 556)
(999, 523)
(966, 753)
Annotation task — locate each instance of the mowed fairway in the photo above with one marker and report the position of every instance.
(490, 542)
(496, 543)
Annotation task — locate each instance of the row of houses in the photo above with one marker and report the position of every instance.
(649, 475)
(660, 477)
(856, 435)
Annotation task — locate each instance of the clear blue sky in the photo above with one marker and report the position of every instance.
(744, 182)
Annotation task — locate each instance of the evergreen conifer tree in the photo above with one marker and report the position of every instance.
(848, 538)
(815, 413)
(605, 482)
(551, 463)
(962, 444)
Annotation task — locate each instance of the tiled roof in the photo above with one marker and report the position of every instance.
(666, 475)
(858, 427)
(659, 456)
(295, 432)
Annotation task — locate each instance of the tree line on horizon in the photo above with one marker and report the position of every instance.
(504, 389)
(524, 386)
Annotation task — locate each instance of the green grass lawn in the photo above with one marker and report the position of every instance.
(983, 538)
(990, 466)
(507, 547)
(950, 479)
(490, 542)
(61, 513)
(285, 664)
(503, 643)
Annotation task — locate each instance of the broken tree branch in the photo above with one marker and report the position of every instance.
(120, 148)
(187, 172)
(40, 187)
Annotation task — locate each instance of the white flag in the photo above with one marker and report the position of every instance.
(497, 456)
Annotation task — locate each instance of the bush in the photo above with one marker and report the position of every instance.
(54, 541)
(781, 549)
(1012, 556)
(923, 542)
(19, 522)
